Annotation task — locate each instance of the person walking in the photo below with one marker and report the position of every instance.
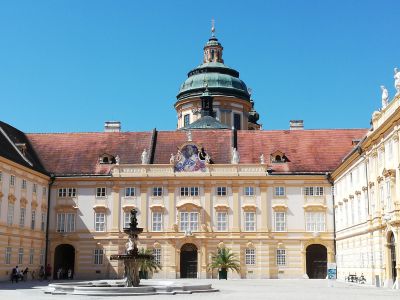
(14, 276)
(41, 273)
(70, 273)
(25, 274)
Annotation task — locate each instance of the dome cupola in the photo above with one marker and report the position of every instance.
(231, 96)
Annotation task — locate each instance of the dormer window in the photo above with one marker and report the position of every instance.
(279, 157)
(107, 159)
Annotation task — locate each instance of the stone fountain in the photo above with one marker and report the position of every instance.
(132, 258)
(131, 285)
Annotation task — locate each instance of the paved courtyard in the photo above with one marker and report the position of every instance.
(230, 289)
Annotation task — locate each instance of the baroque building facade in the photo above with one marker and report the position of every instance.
(217, 181)
(367, 202)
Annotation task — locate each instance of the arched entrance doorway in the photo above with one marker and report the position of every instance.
(188, 261)
(316, 261)
(64, 259)
(392, 252)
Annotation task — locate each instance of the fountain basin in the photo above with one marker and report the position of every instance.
(117, 288)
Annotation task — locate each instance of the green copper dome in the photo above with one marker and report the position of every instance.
(220, 79)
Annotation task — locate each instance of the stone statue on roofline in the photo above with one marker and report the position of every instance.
(145, 157)
(262, 159)
(172, 159)
(117, 160)
(385, 97)
(207, 158)
(397, 81)
(235, 156)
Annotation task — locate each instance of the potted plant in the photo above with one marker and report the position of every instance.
(224, 260)
(147, 266)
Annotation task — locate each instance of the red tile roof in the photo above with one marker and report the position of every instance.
(307, 150)
(78, 153)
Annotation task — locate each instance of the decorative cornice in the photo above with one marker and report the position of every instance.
(23, 202)
(221, 207)
(314, 207)
(157, 207)
(389, 173)
(279, 207)
(100, 208)
(34, 204)
(11, 198)
(250, 245)
(128, 207)
(371, 184)
(249, 207)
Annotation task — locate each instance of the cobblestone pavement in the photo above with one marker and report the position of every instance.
(296, 289)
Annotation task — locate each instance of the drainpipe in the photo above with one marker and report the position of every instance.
(52, 178)
(330, 180)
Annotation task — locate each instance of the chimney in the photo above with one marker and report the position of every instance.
(112, 126)
(296, 125)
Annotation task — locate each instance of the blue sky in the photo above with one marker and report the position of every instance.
(71, 65)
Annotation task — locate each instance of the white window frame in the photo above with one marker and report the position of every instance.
(313, 191)
(22, 215)
(157, 221)
(43, 218)
(279, 191)
(250, 221)
(188, 221)
(388, 196)
(98, 256)
(20, 256)
(250, 256)
(130, 192)
(249, 191)
(315, 221)
(101, 192)
(33, 219)
(127, 219)
(280, 221)
(99, 222)
(7, 256)
(12, 180)
(31, 256)
(62, 192)
(10, 214)
(65, 222)
(71, 192)
(24, 184)
(157, 191)
(281, 257)
(41, 256)
(34, 188)
(189, 191)
(222, 220)
(157, 255)
(222, 191)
